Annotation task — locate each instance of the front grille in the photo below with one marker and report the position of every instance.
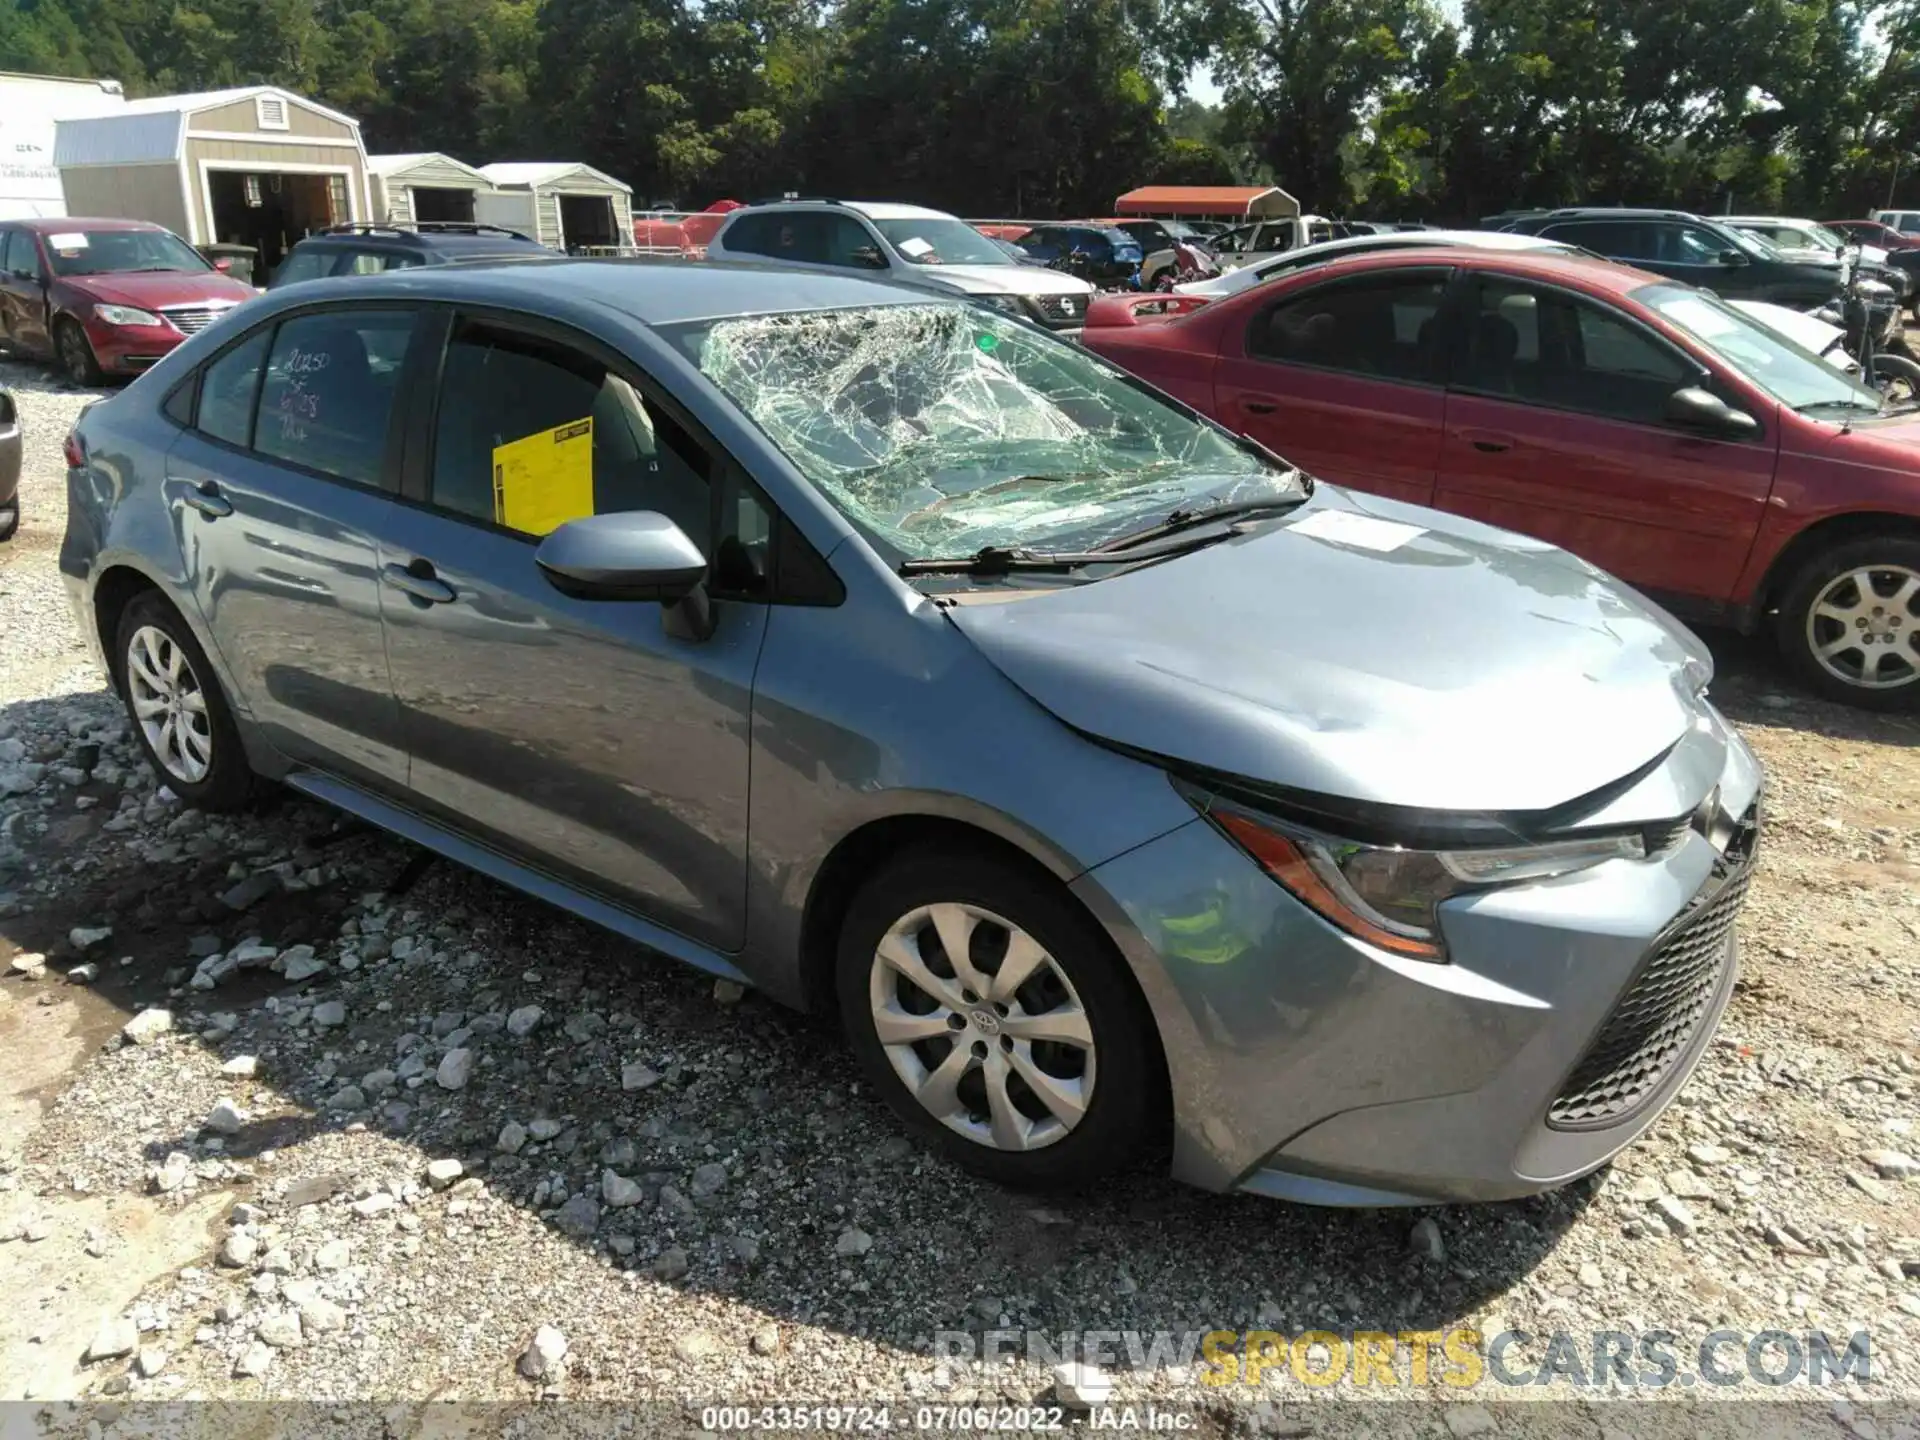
(1661, 1011)
(1059, 310)
(188, 319)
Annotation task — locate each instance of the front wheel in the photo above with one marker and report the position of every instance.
(76, 355)
(998, 1021)
(1897, 378)
(1849, 623)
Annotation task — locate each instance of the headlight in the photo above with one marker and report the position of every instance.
(1009, 303)
(125, 315)
(1389, 896)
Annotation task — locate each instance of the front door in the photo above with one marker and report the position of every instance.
(23, 293)
(594, 739)
(278, 493)
(1556, 428)
(1343, 381)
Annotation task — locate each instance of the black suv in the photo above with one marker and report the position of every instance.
(363, 249)
(1729, 262)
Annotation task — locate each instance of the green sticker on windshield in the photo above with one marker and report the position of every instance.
(986, 342)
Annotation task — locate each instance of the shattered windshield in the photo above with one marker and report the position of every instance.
(941, 429)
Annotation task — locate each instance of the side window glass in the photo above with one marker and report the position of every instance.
(328, 392)
(1501, 352)
(227, 390)
(1549, 349)
(12, 260)
(305, 265)
(367, 262)
(748, 235)
(1383, 329)
(846, 238)
(532, 433)
(1687, 245)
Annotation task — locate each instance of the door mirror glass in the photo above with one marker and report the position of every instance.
(1699, 409)
(632, 555)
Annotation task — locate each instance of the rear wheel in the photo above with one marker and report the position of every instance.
(76, 354)
(1849, 622)
(998, 1022)
(178, 711)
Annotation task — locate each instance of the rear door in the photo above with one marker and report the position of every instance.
(1556, 428)
(279, 488)
(1344, 380)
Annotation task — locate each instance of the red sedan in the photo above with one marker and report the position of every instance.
(1640, 423)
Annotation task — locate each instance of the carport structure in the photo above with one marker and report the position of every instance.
(257, 166)
(563, 204)
(424, 187)
(1208, 202)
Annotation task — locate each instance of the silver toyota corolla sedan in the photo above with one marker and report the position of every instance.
(1124, 792)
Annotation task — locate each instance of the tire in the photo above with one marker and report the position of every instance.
(157, 660)
(1109, 1095)
(9, 520)
(1870, 580)
(76, 355)
(1897, 378)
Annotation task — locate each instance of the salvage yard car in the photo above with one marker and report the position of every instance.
(1647, 426)
(105, 297)
(1122, 790)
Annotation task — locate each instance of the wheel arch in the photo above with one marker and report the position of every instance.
(1823, 535)
(116, 588)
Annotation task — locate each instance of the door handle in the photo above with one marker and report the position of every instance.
(1487, 441)
(419, 581)
(207, 499)
(1258, 407)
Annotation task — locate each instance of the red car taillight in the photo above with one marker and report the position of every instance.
(76, 449)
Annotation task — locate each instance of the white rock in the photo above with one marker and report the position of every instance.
(238, 1250)
(697, 1344)
(766, 1340)
(1465, 1421)
(525, 1019)
(442, 1173)
(83, 974)
(116, 1336)
(853, 1241)
(300, 963)
(456, 1068)
(281, 1329)
(618, 1191)
(512, 1136)
(377, 1203)
(1675, 1212)
(319, 1316)
(1893, 1164)
(254, 1362)
(252, 956)
(331, 1256)
(30, 963)
(147, 1024)
(1424, 1239)
(347, 1097)
(545, 1355)
(544, 1130)
(1080, 1385)
(329, 1014)
(637, 1076)
(242, 1066)
(1702, 1154)
(729, 992)
(150, 1361)
(1689, 1186)
(226, 1118)
(83, 937)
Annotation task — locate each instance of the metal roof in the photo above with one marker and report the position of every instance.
(387, 166)
(1198, 199)
(534, 174)
(153, 130)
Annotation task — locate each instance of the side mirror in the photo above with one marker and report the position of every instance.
(870, 256)
(224, 264)
(1695, 408)
(636, 555)
(1733, 257)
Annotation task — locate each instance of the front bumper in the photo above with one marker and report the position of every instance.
(1307, 1066)
(129, 349)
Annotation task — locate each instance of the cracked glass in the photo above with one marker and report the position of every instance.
(943, 429)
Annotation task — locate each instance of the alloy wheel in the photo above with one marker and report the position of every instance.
(169, 705)
(1864, 627)
(982, 1026)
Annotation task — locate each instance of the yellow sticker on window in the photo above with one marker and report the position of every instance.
(543, 480)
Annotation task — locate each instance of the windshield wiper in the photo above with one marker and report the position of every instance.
(1848, 404)
(1187, 518)
(996, 560)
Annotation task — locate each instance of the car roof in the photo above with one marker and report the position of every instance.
(1620, 212)
(1765, 220)
(653, 291)
(363, 235)
(1413, 239)
(881, 210)
(1584, 272)
(61, 224)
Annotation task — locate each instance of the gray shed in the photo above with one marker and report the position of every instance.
(567, 206)
(408, 189)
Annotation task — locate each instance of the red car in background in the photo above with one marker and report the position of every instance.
(105, 297)
(1638, 422)
(1872, 232)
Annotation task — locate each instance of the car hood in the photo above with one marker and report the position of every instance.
(1003, 280)
(1460, 668)
(151, 289)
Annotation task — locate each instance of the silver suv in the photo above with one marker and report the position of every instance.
(927, 248)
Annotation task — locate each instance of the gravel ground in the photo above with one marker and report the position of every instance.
(399, 1119)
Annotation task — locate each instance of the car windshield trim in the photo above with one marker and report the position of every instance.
(1791, 374)
(943, 429)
